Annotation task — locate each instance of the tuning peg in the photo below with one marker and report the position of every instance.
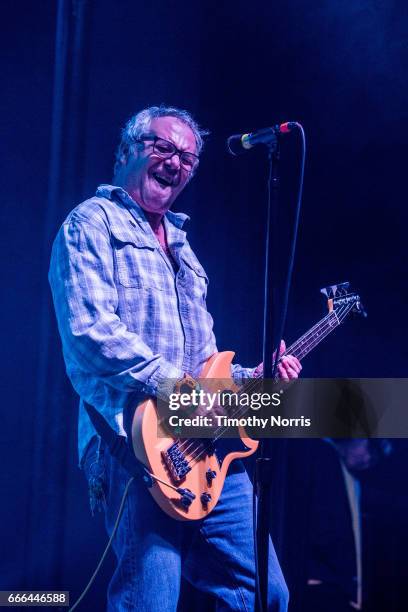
(360, 310)
(333, 291)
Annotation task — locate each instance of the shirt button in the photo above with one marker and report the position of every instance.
(188, 352)
(181, 274)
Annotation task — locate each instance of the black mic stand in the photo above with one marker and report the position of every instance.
(263, 473)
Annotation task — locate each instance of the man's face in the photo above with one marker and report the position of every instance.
(154, 182)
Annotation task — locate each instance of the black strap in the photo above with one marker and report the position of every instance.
(118, 446)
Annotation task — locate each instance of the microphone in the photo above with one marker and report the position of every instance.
(239, 143)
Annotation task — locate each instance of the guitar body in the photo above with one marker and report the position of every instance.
(151, 443)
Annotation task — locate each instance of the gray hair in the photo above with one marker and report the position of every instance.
(139, 124)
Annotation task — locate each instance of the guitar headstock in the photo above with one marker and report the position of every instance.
(342, 301)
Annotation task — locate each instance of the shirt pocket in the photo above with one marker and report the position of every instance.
(196, 277)
(136, 260)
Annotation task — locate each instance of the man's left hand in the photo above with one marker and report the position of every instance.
(289, 366)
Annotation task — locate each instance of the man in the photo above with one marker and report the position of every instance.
(129, 295)
(322, 542)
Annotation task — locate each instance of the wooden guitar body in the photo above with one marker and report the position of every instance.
(206, 478)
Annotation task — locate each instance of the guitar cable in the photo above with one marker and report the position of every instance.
(179, 490)
(254, 526)
(109, 544)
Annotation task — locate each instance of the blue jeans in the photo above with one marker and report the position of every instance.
(154, 551)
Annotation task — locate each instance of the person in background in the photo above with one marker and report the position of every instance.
(335, 558)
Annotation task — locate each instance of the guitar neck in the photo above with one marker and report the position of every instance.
(314, 336)
(310, 339)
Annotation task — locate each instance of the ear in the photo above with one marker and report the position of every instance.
(139, 146)
(124, 155)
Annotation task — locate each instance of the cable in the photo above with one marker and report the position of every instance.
(254, 528)
(283, 318)
(292, 248)
(115, 528)
(105, 552)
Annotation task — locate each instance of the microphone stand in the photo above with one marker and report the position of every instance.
(263, 472)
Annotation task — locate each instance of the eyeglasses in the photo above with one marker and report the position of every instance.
(166, 150)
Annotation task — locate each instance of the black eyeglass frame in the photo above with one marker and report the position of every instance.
(174, 150)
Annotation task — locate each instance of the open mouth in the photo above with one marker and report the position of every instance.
(164, 181)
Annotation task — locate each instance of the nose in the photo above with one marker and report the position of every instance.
(173, 162)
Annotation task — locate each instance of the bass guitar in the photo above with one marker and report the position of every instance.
(188, 474)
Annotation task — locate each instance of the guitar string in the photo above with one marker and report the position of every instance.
(314, 341)
(306, 338)
(306, 350)
(310, 339)
(340, 317)
(222, 429)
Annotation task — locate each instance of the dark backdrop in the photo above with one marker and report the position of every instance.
(338, 68)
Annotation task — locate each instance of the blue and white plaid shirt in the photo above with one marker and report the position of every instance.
(129, 323)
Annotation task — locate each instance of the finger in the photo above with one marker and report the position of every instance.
(258, 370)
(290, 371)
(282, 372)
(293, 362)
(290, 374)
(287, 374)
(282, 349)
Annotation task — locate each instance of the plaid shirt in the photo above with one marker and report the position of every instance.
(130, 324)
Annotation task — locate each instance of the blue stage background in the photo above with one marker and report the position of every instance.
(338, 68)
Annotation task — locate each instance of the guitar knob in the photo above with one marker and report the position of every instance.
(205, 498)
(210, 475)
(187, 497)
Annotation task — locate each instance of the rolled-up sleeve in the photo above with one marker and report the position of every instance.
(85, 298)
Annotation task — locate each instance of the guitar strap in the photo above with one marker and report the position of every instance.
(118, 446)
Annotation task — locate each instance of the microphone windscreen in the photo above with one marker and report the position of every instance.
(234, 144)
